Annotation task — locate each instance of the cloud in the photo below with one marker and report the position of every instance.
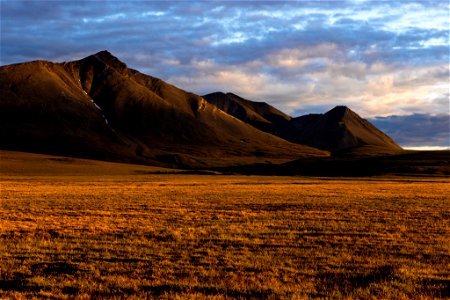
(417, 129)
(323, 76)
(378, 57)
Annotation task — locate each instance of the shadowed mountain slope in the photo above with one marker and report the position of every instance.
(43, 109)
(98, 107)
(340, 130)
(258, 114)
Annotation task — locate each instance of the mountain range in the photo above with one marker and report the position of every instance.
(99, 108)
(338, 130)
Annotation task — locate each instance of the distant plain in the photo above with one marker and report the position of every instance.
(73, 228)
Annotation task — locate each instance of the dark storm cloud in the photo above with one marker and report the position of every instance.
(417, 129)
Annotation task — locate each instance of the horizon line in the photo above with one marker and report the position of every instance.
(430, 148)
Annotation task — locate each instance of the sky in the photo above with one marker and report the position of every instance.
(386, 60)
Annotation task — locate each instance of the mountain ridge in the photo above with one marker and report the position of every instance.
(97, 106)
(338, 130)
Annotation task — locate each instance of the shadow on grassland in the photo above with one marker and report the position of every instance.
(19, 284)
(346, 283)
(413, 163)
(159, 290)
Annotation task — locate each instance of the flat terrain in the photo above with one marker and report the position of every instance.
(141, 234)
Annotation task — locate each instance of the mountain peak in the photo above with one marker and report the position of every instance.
(105, 54)
(339, 110)
(108, 59)
(341, 128)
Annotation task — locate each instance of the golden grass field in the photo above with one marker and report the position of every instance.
(131, 234)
